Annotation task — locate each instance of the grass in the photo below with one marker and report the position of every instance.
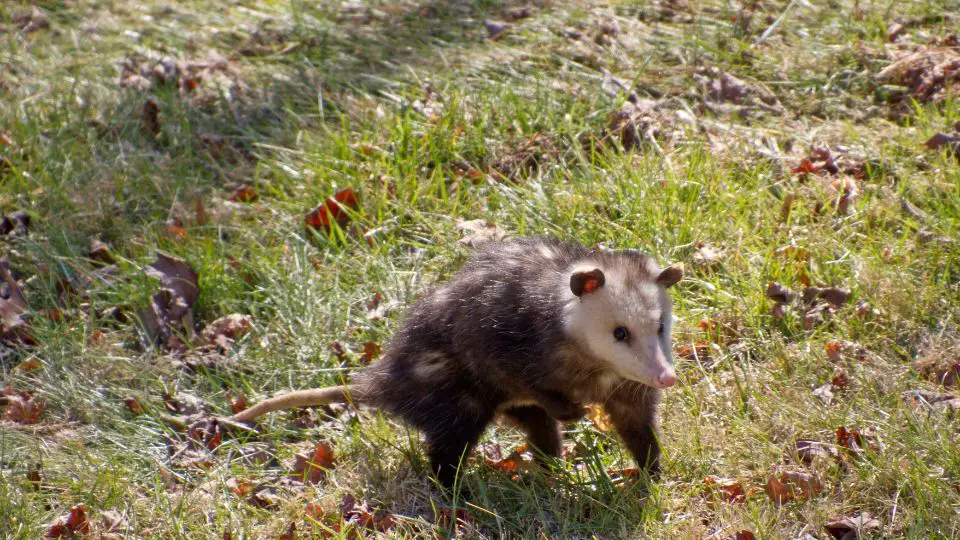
(431, 122)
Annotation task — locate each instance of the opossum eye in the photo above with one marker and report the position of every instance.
(621, 334)
(660, 329)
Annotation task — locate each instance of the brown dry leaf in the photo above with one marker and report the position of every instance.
(855, 440)
(360, 514)
(113, 526)
(22, 408)
(792, 485)
(707, 258)
(839, 380)
(133, 405)
(729, 489)
(851, 528)
(240, 487)
(12, 325)
(237, 404)
(741, 535)
(809, 452)
(371, 350)
(35, 477)
(779, 293)
(100, 251)
(496, 29)
(941, 140)
(29, 364)
(448, 518)
(333, 210)
(847, 191)
(150, 117)
(927, 72)
(834, 295)
(170, 308)
(15, 224)
(244, 194)
(338, 349)
(70, 525)
(479, 231)
(932, 400)
(312, 466)
(834, 349)
(225, 330)
(599, 417)
(697, 350)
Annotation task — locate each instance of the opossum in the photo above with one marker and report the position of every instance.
(531, 329)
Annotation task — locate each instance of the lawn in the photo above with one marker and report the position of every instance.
(308, 169)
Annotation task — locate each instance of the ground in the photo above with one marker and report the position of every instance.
(766, 145)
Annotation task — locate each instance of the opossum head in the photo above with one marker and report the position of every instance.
(619, 311)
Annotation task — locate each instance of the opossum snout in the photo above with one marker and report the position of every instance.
(666, 379)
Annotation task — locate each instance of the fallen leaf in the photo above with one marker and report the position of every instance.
(238, 403)
(338, 349)
(792, 486)
(371, 350)
(150, 118)
(312, 466)
(334, 209)
(833, 350)
(926, 72)
(851, 528)
(71, 524)
(22, 408)
(855, 440)
(448, 518)
(833, 295)
(240, 487)
(932, 400)
(170, 308)
(133, 405)
(359, 513)
(496, 29)
(824, 394)
(225, 330)
(697, 350)
(707, 257)
(15, 224)
(839, 380)
(480, 231)
(113, 525)
(729, 489)
(29, 364)
(244, 194)
(809, 452)
(599, 417)
(741, 535)
(779, 293)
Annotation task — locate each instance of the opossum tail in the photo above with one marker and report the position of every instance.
(299, 398)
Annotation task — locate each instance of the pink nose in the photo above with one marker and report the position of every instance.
(666, 379)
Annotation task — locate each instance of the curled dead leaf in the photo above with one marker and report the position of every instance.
(728, 489)
(479, 231)
(852, 528)
(312, 466)
(779, 293)
(791, 485)
(371, 350)
(333, 210)
(69, 525)
(22, 408)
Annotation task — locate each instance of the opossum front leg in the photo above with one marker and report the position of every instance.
(557, 405)
(543, 431)
(632, 411)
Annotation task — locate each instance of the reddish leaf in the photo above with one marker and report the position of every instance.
(71, 524)
(134, 405)
(839, 380)
(332, 210)
(237, 404)
(312, 466)
(854, 440)
(244, 194)
(834, 350)
(729, 489)
(371, 350)
(741, 535)
(792, 485)
(699, 349)
(239, 486)
(22, 408)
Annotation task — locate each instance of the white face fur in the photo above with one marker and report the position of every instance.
(626, 327)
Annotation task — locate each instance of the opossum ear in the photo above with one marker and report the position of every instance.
(670, 275)
(586, 282)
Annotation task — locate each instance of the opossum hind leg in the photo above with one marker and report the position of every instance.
(449, 445)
